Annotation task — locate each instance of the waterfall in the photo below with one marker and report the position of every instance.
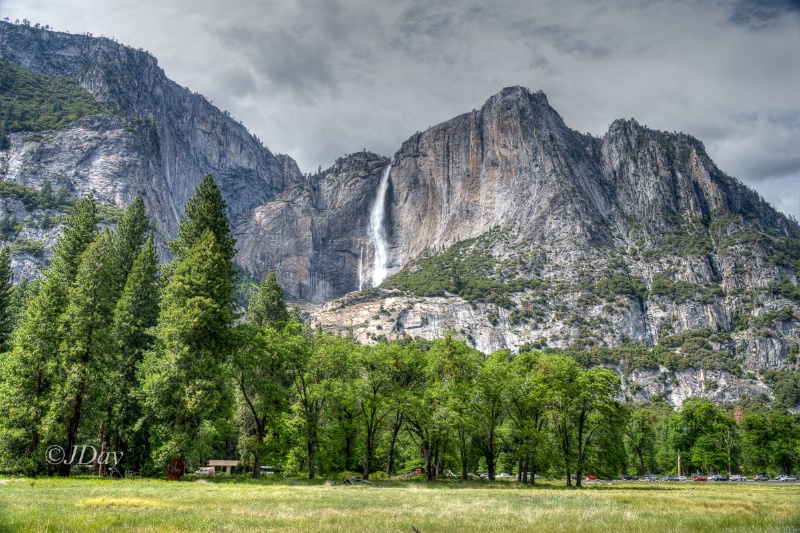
(361, 270)
(380, 264)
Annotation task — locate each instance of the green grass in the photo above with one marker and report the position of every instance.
(149, 505)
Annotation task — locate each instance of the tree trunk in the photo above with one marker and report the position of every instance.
(348, 453)
(490, 454)
(102, 437)
(73, 430)
(462, 438)
(34, 433)
(176, 468)
(368, 459)
(256, 465)
(730, 455)
(396, 426)
(310, 460)
(429, 474)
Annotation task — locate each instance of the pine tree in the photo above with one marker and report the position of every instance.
(86, 344)
(29, 375)
(22, 294)
(129, 238)
(135, 314)
(204, 210)
(185, 383)
(267, 308)
(78, 234)
(6, 294)
(34, 364)
(46, 194)
(62, 196)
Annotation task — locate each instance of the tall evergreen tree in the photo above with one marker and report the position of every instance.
(29, 376)
(21, 295)
(267, 308)
(128, 239)
(33, 367)
(185, 382)
(79, 232)
(86, 343)
(204, 210)
(135, 314)
(6, 294)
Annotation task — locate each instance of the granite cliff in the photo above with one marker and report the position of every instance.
(157, 139)
(502, 225)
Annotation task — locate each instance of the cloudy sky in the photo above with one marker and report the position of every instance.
(321, 78)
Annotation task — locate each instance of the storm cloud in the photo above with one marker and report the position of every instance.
(318, 79)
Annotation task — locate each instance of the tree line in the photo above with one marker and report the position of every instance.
(111, 350)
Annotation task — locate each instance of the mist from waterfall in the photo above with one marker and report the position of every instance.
(377, 231)
(361, 270)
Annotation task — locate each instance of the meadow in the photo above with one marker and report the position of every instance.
(47, 504)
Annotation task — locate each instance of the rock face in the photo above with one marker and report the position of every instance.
(314, 236)
(563, 239)
(163, 142)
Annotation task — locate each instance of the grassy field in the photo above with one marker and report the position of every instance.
(150, 505)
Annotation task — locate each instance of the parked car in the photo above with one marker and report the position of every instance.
(700, 478)
(761, 477)
(626, 477)
(416, 472)
(681, 478)
(205, 471)
(737, 477)
(473, 475)
(650, 477)
(785, 478)
(715, 477)
(591, 478)
(670, 478)
(484, 476)
(504, 475)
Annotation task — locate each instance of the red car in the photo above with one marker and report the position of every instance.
(591, 478)
(417, 472)
(700, 478)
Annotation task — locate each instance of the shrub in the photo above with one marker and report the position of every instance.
(27, 246)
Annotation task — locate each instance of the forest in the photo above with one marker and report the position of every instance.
(158, 364)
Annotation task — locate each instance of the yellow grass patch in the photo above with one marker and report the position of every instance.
(121, 503)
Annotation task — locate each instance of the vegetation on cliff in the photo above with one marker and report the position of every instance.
(33, 102)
